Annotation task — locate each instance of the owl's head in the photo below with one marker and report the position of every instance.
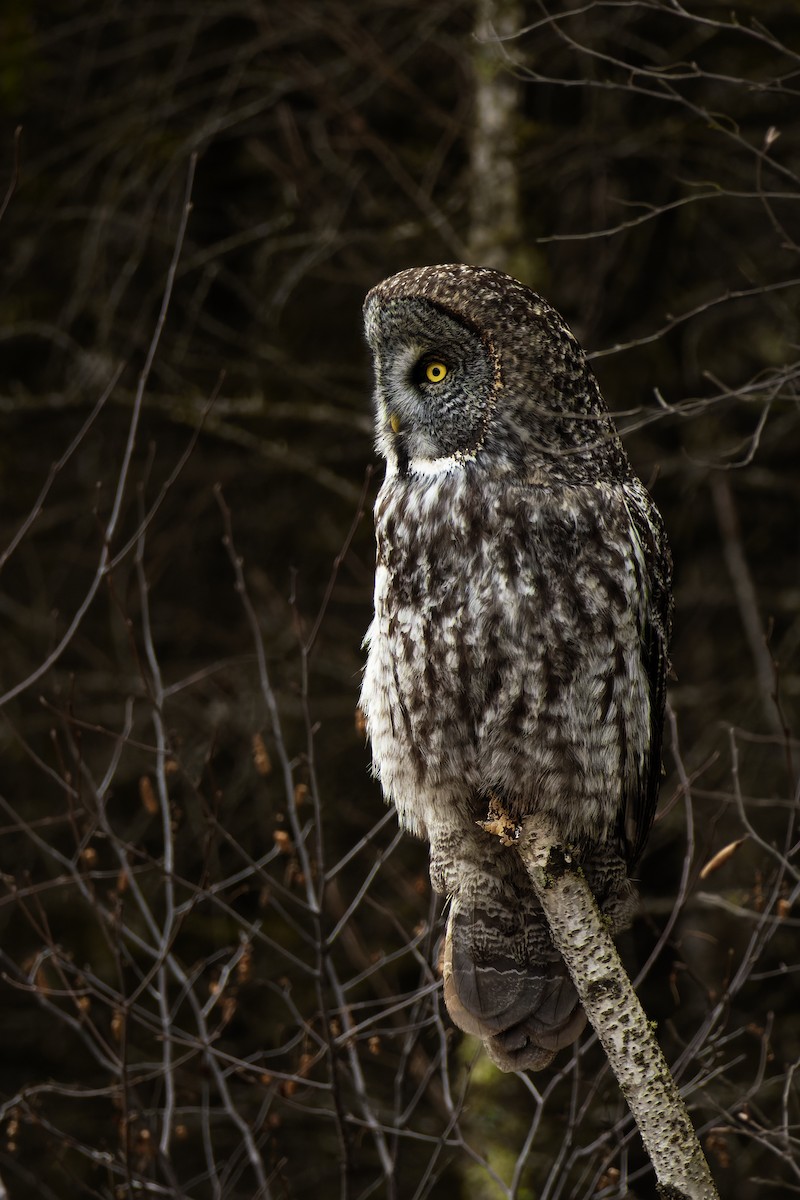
(474, 369)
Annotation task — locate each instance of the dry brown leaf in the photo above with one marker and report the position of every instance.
(721, 857)
(260, 756)
(147, 795)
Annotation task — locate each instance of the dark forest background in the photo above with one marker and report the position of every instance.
(216, 953)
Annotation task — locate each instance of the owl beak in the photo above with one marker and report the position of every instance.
(394, 421)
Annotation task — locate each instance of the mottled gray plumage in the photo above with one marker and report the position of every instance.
(518, 648)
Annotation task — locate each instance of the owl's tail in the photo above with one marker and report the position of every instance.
(505, 982)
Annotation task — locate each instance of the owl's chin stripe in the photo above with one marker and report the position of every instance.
(439, 466)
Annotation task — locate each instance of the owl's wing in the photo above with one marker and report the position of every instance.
(639, 807)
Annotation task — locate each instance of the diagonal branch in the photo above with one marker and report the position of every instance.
(607, 995)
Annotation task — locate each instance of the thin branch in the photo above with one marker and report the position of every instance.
(612, 1007)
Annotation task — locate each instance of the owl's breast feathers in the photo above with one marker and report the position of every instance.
(518, 647)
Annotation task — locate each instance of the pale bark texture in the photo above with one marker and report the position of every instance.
(616, 1015)
(495, 233)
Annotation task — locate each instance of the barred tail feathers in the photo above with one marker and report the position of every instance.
(505, 982)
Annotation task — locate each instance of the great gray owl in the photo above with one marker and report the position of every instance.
(518, 648)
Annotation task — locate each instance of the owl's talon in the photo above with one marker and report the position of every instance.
(499, 823)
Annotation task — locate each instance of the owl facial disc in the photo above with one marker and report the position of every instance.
(433, 383)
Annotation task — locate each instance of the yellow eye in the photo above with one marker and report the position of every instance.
(394, 421)
(435, 372)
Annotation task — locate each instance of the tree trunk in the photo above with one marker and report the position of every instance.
(495, 233)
